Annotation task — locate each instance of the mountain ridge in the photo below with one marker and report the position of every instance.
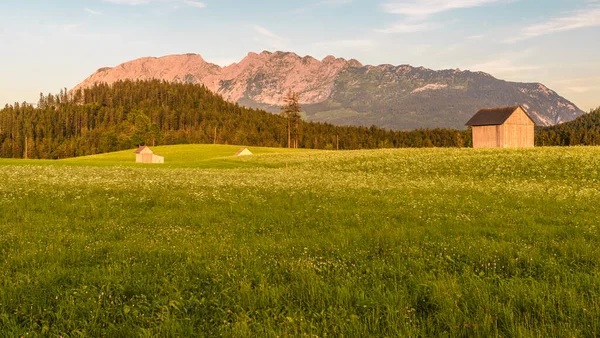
(346, 92)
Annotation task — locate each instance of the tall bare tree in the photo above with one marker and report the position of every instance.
(291, 111)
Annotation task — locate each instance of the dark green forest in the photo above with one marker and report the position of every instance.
(585, 131)
(127, 114)
(131, 113)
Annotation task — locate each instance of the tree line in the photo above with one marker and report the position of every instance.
(585, 130)
(128, 113)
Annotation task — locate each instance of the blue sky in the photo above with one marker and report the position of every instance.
(48, 45)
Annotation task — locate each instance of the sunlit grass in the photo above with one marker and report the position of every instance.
(181, 156)
(418, 242)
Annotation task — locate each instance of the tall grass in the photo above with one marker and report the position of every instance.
(423, 242)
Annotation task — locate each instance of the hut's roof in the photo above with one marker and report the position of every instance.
(493, 116)
(140, 149)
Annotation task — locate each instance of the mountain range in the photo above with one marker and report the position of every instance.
(346, 92)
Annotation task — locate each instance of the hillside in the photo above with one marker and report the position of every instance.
(198, 156)
(106, 118)
(584, 130)
(344, 92)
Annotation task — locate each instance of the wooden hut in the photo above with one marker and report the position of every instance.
(243, 152)
(508, 127)
(145, 155)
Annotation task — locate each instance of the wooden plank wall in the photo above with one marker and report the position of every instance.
(486, 137)
(158, 159)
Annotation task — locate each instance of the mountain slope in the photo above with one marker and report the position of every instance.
(409, 97)
(345, 92)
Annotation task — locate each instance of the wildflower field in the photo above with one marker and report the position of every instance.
(411, 242)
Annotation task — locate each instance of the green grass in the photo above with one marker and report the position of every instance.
(181, 156)
(416, 242)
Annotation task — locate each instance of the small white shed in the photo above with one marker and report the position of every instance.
(145, 155)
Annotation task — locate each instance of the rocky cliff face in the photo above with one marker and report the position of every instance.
(189, 67)
(346, 92)
(263, 77)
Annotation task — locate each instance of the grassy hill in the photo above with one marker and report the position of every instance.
(413, 242)
(180, 156)
(183, 156)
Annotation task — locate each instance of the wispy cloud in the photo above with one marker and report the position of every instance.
(579, 85)
(78, 31)
(70, 27)
(334, 2)
(129, 2)
(93, 12)
(476, 37)
(399, 28)
(582, 89)
(589, 17)
(511, 66)
(353, 44)
(522, 66)
(324, 3)
(196, 4)
(267, 37)
(347, 43)
(265, 32)
(503, 67)
(415, 13)
(424, 8)
(189, 3)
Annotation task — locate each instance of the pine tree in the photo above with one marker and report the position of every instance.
(291, 111)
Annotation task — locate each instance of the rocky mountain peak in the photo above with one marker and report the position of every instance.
(252, 78)
(346, 92)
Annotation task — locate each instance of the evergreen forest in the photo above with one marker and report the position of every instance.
(126, 114)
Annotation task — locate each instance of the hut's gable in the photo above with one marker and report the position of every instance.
(520, 117)
(143, 150)
(507, 127)
(243, 152)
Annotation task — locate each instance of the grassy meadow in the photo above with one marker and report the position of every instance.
(410, 243)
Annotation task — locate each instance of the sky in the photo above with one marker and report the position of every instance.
(47, 45)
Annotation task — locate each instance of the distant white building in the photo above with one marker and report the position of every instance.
(243, 152)
(145, 155)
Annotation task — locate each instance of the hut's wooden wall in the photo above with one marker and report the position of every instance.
(146, 156)
(486, 136)
(157, 159)
(518, 136)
